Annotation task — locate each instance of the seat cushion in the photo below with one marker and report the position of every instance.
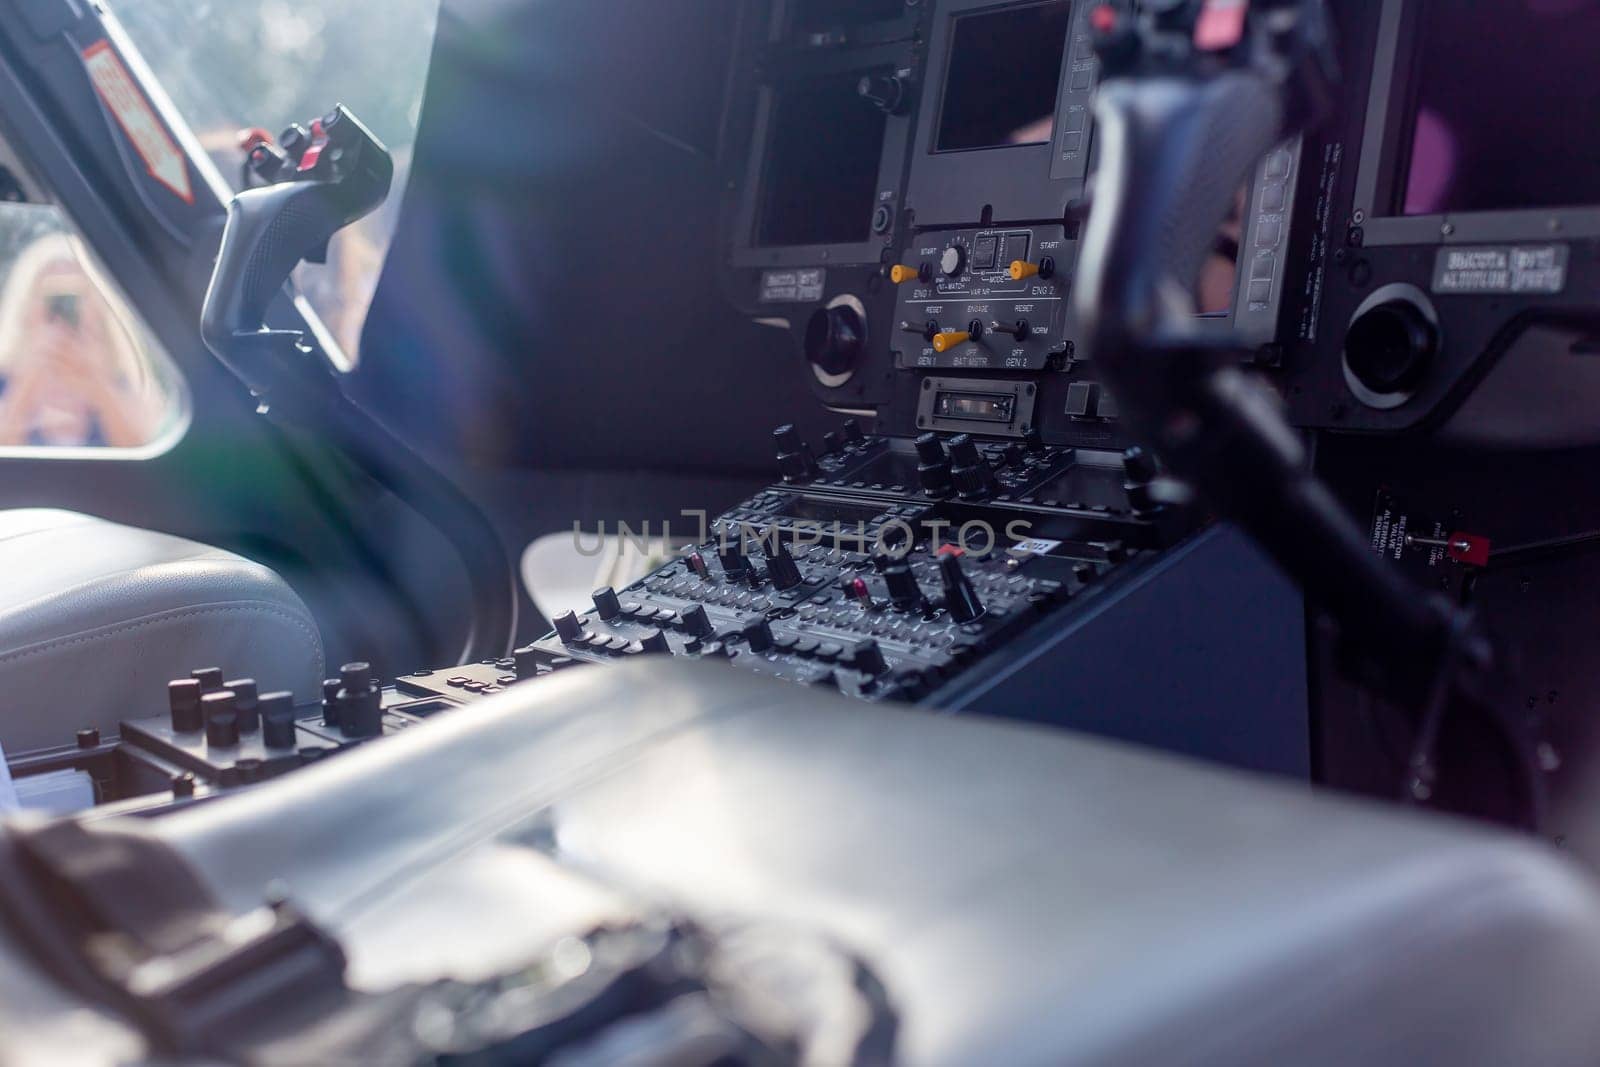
(96, 617)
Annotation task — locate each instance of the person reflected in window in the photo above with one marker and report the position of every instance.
(71, 370)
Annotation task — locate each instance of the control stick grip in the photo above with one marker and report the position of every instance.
(1174, 153)
(337, 173)
(269, 231)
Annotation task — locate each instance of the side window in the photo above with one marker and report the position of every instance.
(229, 65)
(77, 369)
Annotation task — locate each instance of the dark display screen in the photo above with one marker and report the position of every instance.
(821, 177)
(1004, 74)
(1503, 110)
(985, 406)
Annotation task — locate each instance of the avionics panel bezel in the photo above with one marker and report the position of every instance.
(1018, 182)
(746, 252)
(784, 31)
(1389, 100)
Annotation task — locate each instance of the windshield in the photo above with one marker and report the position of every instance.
(229, 65)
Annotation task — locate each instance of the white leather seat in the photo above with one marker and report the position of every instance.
(96, 617)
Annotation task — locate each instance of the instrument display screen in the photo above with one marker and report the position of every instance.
(1500, 116)
(1003, 77)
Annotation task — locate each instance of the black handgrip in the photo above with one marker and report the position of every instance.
(338, 173)
(1174, 153)
(269, 231)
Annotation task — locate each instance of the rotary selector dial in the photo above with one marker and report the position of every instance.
(953, 260)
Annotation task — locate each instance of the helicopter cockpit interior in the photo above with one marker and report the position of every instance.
(799, 531)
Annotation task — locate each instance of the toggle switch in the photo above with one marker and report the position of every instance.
(1021, 269)
(944, 342)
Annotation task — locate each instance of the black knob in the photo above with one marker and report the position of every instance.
(222, 720)
(868, 658)
(183, 697)
(886, 92)
(1015, 456)
(904, 592)
(969, 471)
(1388, 347)
(851, 431)
(88, 738)
(606, 603)
(654, 641)
(782, 570)
(960, 599)
(1032, 439)
(277, 720)
(360, 701)
(734, 562)
(247, 701)
(250, 770)
(933, 466)
(568, 628)
(831, 443)
(355, 677)
(835, 338)
(364, 718)
(964, 451)
(795, 461)
(210, 678)
(696, 623)
(758, 634)
(526, 661)
(332, 710)
(1138, 465)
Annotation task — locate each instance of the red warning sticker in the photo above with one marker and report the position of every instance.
(138, 119)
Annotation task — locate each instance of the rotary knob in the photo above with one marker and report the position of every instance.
(183, 697)
(904, 593)
(695, 621)
(277, 720)
(868, 658)
(952, 261)
(973, 477)
(960, 599)
(782, 570)
(933, 466)
(606, 604)
(795, 459)
(222, 719)
(759, 635)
